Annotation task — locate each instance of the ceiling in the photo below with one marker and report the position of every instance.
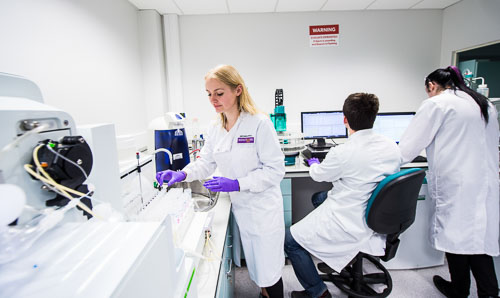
(195, 7)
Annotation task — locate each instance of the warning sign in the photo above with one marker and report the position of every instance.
(324, 35)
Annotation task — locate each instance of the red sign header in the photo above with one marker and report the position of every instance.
(324, 29)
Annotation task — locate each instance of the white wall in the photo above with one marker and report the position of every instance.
(384, 52)
(469, 23)
(83, 54)
(153, 63)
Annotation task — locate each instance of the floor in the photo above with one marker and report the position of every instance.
(406, 283)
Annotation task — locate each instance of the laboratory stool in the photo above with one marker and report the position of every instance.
(391, 210)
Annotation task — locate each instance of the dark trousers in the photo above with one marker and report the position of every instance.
(318, 198)
(482, 268)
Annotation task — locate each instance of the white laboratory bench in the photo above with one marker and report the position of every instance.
(212, 277)
(415, 250)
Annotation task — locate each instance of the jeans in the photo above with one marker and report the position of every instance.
(318, 198)
(304, 267)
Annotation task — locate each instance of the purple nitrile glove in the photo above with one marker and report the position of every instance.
(224, 184)
(312, 161)
(170, 176)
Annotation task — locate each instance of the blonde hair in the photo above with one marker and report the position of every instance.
(228, 75)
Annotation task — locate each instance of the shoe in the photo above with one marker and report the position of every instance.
(300, 294)
(304, 294)
(443, 286)
(324, 268)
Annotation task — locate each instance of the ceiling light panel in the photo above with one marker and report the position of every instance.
(299, 5)
(431, 4)
(202, 6)
(347, 4)
(393, 4)
(245, 6)
(162, 6)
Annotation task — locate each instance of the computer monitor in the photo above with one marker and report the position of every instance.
(392, 125)
(321, 125)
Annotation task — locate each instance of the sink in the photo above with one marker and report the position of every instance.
(203, 198)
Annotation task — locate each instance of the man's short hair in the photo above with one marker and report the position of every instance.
(361, 109)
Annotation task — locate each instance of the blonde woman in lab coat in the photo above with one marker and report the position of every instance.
(458, 128)
(244, 147)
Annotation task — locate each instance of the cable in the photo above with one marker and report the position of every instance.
(14, 143)
(61, 188)
(67, 159)
(87, 195)
(54, 189)
(51, 181)
(212, 245)
(28, 169)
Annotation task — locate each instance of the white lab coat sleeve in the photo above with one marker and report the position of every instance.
(272, 159)
(330, 169)
(421, 130)
(205, 165)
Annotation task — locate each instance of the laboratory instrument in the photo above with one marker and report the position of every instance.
(279, 116)
(38, 138)
(291, 143)
(51, 249)
(169, 133)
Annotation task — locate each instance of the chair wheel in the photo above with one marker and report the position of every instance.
(355, 284)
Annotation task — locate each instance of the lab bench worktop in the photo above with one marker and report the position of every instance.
(299, 169)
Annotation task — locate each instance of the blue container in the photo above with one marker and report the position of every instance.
(175, 141)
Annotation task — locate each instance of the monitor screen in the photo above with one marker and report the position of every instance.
(392, 125)
(329, 124)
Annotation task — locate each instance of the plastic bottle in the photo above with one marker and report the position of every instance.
(483, 89)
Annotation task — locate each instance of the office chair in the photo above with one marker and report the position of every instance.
(391, 210)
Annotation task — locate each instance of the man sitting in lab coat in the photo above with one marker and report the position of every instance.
(336, 230)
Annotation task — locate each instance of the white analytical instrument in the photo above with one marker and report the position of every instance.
(137, 243)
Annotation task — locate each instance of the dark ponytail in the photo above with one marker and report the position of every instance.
(451, 78)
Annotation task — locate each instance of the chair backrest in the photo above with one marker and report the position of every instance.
(392, 206)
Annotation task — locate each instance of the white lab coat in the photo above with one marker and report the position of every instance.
(250, 152)
(336, 231)
(462, 153)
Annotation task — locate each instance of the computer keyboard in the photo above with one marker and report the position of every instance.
(308, 153)
(325, 146)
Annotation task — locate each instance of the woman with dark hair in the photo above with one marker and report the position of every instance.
(458, 128)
